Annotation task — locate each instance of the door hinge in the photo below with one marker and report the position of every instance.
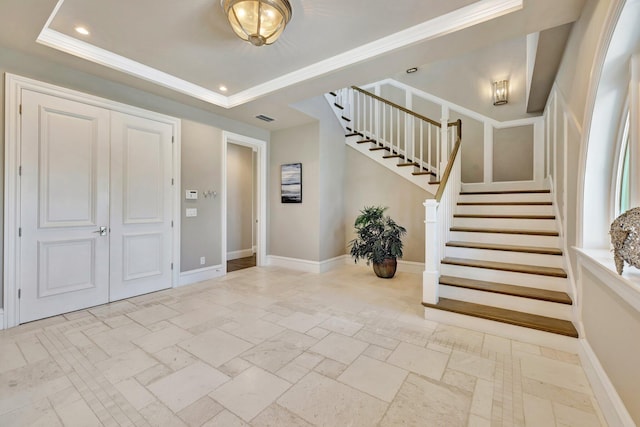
(19, 170)
(19, 293)
(172, 181)
(20, 109)
(19, 231)
(173, 139)
(172, 266)
(171, 224)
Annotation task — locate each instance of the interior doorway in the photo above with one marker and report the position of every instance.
(244, 202)
(241, 207)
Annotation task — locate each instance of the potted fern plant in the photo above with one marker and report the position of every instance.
(378, 241)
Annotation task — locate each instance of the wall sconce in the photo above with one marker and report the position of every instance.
(500, 92)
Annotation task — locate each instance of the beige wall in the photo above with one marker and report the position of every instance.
(612, 329)
(369, 184)
(513, 154)
(239, 198)
(294, 230)
(201, 236)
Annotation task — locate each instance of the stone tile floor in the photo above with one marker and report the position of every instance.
(272, 347)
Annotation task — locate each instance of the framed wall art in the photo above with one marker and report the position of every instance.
(291, 183)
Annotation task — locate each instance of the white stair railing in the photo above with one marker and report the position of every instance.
(414, 138)
(438, 218)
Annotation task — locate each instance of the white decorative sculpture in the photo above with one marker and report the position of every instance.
(625, 237)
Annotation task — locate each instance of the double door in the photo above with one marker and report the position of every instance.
(95, 206)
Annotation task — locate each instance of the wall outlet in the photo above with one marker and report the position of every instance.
(192, 212)
(202, 260)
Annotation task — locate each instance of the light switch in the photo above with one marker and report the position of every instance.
(191, 194)
(192, 212)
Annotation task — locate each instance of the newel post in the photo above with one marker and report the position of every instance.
(431, 274)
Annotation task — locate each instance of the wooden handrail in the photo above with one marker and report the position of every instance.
(399, 107)
(452, 158)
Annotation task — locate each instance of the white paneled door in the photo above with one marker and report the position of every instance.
(95, 206)
(140, 206)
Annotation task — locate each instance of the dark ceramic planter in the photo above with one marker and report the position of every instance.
(386, 269)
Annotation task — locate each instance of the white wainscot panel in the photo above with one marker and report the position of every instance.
(142, 255)
(65, 266)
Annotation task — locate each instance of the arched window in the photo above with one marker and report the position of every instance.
(622, 179)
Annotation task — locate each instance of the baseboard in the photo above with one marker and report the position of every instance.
(613, 409)
(201, 274)
(1, 319)
(242, 253)
(306, 265)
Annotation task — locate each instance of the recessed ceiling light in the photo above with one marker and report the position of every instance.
(412, 70)
(82, 30)
(222, 88)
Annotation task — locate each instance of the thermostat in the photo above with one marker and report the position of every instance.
(191, 194)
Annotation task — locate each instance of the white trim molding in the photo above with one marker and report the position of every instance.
(457, 20)
(334, 263)
(1, 319)
(612, 406)
(201, 274)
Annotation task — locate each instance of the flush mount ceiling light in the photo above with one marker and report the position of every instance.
(500, 92)
(259, 22)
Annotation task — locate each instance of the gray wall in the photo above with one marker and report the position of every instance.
(513, 154)
(294, 230)
(239, 198)
(369, 184)
(202, 162)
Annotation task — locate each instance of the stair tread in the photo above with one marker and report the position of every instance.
(505, 231)
(391, 156)
(423, 173)
(338, 106)
(346, 119)
(505, 192)
(407, 164)
(364, 141)
(505, 266)
(503, 216)
(378, 148)
(504, 203)
(508, 248)
(527, 320)
(349, 135)
(506, 289)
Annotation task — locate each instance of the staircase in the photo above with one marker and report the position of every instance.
(493, 259)
(503, 263)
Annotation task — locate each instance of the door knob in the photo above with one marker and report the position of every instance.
(102, 231)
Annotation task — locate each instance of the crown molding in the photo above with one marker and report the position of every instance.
(473, 14)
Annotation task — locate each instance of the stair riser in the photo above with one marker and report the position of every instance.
(519, 279)
(517, 333)
(508, 223)
(505, 209)
(505, 256)
(517, 197)
(506, 239)
(509, 302)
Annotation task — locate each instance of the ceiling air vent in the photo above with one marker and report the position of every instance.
(265, 118)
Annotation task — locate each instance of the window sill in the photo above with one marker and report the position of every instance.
(600, 263)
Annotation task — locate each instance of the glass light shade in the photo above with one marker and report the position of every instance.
(259, 22)
(500, 92)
